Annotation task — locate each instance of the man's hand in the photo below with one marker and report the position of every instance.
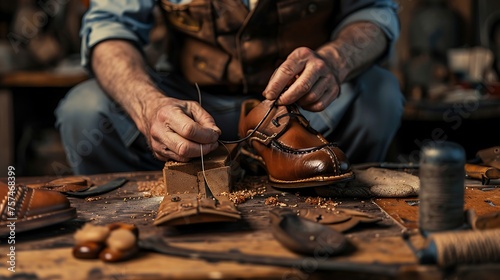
(176, 128)
(314, 76)
(316, 84)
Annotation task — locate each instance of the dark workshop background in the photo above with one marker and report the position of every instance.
(447, 60)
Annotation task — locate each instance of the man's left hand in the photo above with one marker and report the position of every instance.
(316, 84)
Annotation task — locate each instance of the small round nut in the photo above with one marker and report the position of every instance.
(110, 255)
(121, 240)
(87, 250)
(91, 233)
(120, 225)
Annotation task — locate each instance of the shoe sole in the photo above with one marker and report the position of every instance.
(297, 184)
(38, 221)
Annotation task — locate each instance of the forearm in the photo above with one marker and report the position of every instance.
(121, 71)
(356, 47)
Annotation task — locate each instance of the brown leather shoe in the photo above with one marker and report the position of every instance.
(23, 208)
(292, 152)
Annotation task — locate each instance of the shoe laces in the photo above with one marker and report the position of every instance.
(276, 120)
(273, 105)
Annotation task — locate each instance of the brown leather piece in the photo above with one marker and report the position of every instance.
(32, 208)
(292, 152)
(189, 208)
(483, 173)
(66, 184)
(340, 219)
(490, 156)
(483, 201)
(482, 222)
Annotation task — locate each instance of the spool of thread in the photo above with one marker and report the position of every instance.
(461, 247)
(441, 193)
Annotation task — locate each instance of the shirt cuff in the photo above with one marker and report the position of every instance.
(101, 31)
(385, 18)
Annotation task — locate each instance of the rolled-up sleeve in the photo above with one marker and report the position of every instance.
(115, 19)
(383, 14)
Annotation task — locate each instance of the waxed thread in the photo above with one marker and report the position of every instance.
(201, 145)
(467, 247)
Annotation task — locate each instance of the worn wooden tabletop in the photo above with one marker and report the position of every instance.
(46, 253)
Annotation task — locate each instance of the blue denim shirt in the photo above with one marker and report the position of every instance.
(133, 20)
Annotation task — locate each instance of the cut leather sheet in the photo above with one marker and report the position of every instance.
(405, 211)
(79, 186)
(375, 182)
(490, 156)
(340, 219)
(66, 184)
(481, 172)
(189, 208)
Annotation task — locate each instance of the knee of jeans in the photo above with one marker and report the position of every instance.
(385, 102)
(82, 107)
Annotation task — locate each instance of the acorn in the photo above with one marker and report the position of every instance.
(121, 245)
(89, 241)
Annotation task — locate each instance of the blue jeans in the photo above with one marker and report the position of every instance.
(99, 137)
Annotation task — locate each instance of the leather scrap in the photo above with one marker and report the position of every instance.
(482, 222)
(490, 156)
(304, 236)
(79, 186)
(189, 208)
(340, 219)
(97, 190)
(404, 213)
(66, 184)
(483, 173)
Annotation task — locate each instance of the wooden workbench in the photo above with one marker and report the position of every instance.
(46, 253)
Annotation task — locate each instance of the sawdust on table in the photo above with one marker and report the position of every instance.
(152, 188)
(240, 196)
(321, 202)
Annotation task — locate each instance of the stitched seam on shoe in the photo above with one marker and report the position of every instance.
(287, 149)
(18, 203)
(322, 139)
(24, 193)
(44, 215)
(5, 206)
(21, 192)
(26, 214)
(263, 138)
(335, 159)
(5, 203)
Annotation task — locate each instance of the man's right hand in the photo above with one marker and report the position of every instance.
(176, 128)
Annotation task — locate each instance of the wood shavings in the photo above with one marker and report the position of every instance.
(152, 188)
(271, 201)
(95, 198)
(239, 197)
(321, 202)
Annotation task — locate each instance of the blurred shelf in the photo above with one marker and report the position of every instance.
(42, 79)
(447, 111)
